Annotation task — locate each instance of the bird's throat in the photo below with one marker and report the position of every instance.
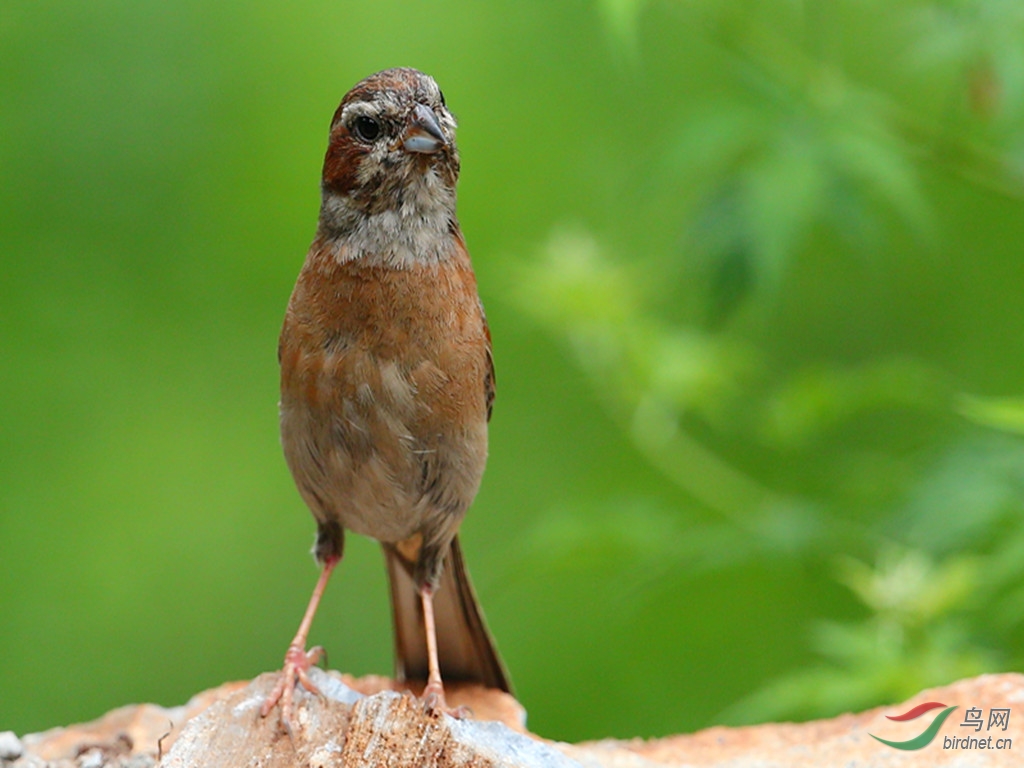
(400, 237)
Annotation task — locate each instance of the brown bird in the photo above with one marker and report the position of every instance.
(387, 380)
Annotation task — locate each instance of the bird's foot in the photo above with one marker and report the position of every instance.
(297, 662)
(434, 703)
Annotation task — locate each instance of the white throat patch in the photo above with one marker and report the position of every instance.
(416, 232)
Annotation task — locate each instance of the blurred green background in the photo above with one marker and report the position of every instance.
(754, 275)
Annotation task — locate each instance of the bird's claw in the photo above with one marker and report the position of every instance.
(297, 662)
(434, 703)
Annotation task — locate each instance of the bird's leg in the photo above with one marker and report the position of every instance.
(297, 660)
(433, 693)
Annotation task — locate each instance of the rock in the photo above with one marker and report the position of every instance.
(346, 728)
(10, 746)
(127, 737)
(842, 741)
(367, 722)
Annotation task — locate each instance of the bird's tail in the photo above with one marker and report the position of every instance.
(465, 649)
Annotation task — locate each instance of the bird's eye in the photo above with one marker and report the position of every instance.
(366, 129)
(441, 93)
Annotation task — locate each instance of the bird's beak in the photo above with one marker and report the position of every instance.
(424, 133)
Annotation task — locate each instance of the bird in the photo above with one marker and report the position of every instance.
(387, 382)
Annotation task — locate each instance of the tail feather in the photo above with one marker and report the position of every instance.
(466, 651)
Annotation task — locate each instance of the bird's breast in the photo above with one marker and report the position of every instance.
(383, 393)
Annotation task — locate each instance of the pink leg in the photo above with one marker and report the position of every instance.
(433, 693)
(296, 659)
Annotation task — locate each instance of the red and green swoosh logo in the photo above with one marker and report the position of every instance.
(927, 735)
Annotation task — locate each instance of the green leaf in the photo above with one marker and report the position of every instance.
(783, 200)
(620, 19)
(1003, 413)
